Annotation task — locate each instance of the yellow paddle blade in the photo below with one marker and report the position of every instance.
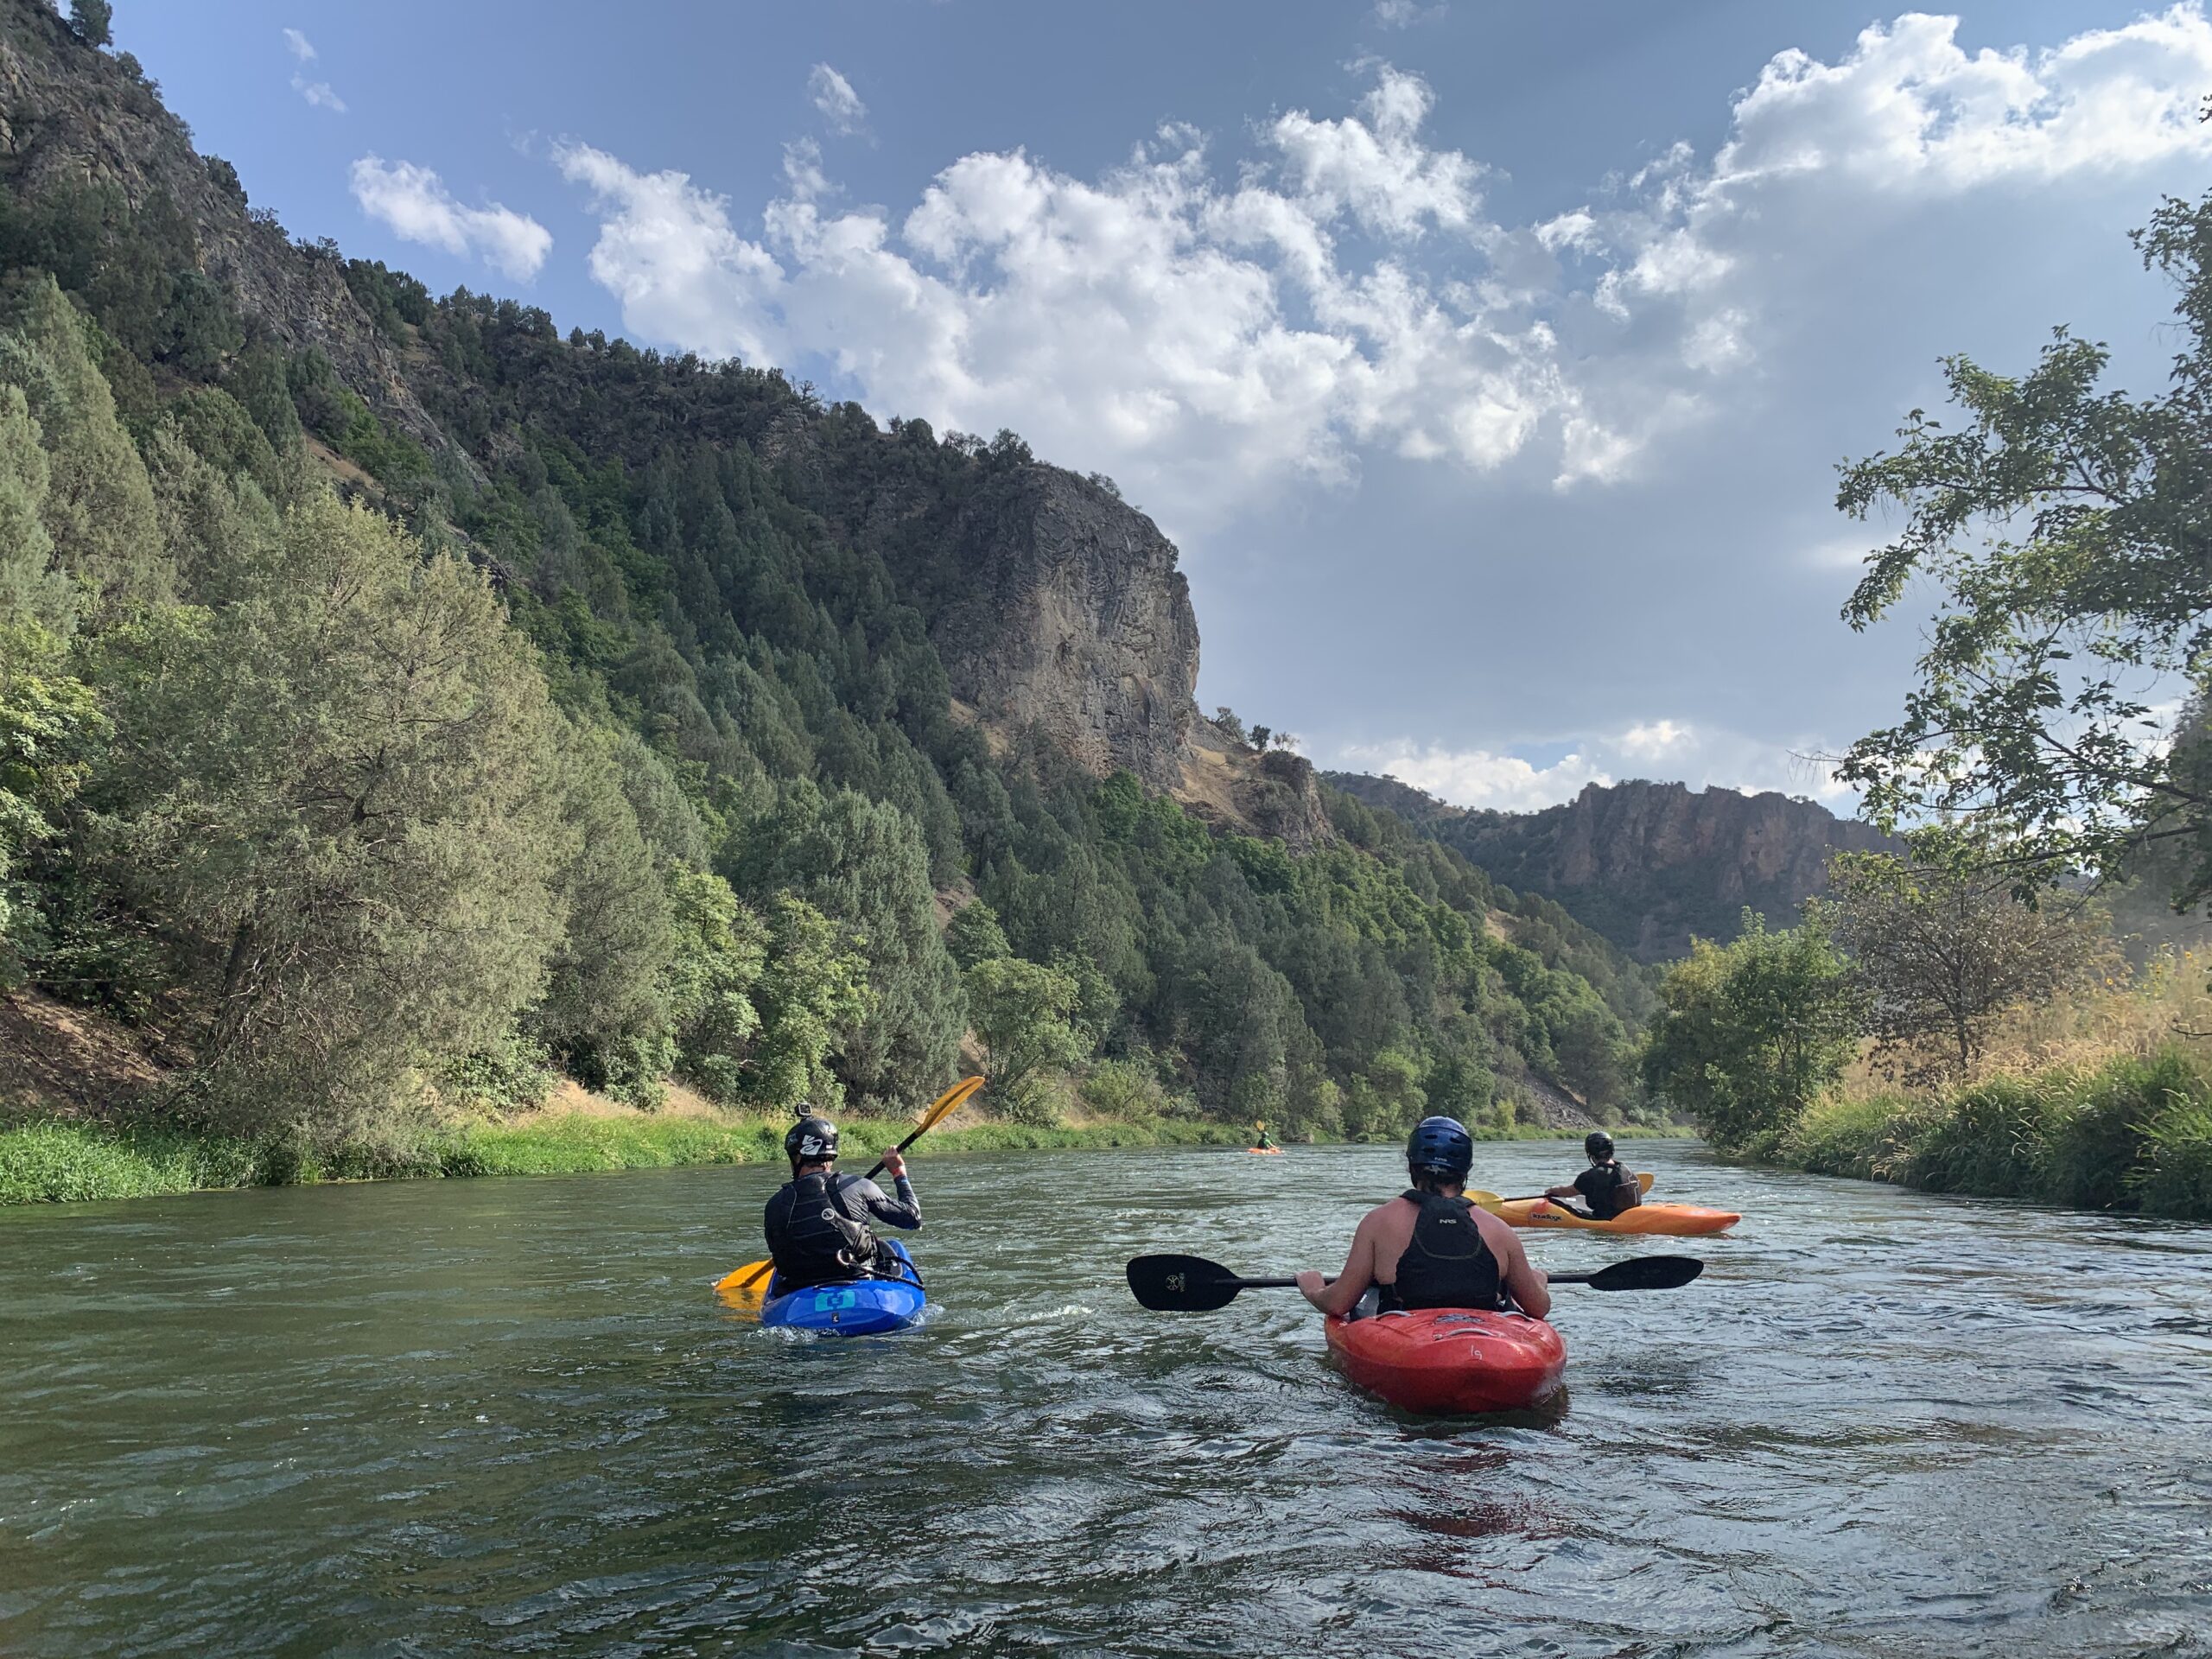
(745, 1290)
(1475, 1195)
(1644, 1181)
(949, 1102)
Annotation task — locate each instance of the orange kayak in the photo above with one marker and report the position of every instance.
(1670, 1220)
(1450, 1359)
(1265, 1152)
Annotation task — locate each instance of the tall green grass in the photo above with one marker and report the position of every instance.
(2132, 1134)
(60, 1162)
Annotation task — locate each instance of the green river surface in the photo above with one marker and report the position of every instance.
(507, 1417)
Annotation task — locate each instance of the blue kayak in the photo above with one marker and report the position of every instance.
(860, 1308)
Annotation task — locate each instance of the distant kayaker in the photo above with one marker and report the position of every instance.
(1429, 1247)
(1261, 1142)
(818, 1223)
(1606, 1188)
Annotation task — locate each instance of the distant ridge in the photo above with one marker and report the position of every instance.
(1648, 865)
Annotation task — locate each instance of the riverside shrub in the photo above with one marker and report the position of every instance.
(2132, 1134)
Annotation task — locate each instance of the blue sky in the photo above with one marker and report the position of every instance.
(1490, 363)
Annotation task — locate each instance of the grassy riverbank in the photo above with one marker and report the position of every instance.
(61, 1160)
(2132, 1134)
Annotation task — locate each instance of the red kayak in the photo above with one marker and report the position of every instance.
(1450, 1359)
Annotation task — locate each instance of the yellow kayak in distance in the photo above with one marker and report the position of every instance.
(1666, 1220)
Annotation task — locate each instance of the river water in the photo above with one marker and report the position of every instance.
(506, 1417)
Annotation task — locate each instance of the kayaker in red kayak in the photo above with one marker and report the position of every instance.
(1605, 1187)
(1429, 1247)
(818, 1222)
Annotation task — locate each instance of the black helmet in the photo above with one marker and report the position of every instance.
(812, 1140)
(1598, 1145)
(1441, 1144)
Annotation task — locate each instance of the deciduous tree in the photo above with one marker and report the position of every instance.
(1943, 950)
(338, 797)
(1024, 1018)
(2063, 525)
(1748, 1034)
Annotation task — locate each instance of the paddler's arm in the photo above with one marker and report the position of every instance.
(903, 1210)
(1351, 1284)
(1567, 1192)
(1529, 1289)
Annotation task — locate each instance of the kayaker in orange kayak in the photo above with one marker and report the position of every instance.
(1429, 1247)
(1605, 1187)
(1262, 1141)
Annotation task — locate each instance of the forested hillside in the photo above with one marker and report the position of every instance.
(401, 700)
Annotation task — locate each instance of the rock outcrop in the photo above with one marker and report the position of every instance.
(1647, 865)
(1070, 616)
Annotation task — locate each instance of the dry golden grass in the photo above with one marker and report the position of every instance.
(2129, 1015)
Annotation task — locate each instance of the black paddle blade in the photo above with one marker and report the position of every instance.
(1182, 1284)
(1647, 1272)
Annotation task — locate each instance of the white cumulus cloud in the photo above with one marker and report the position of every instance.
(834, 96)
(414, 202)
(1207, 330)
(1478, 778)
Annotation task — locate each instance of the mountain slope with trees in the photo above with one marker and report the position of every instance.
(401, 701)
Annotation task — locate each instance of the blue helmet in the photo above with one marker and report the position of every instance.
(1441, 1144)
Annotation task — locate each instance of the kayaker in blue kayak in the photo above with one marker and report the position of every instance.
(1606, 1188)
(1430, 1248)
(820, 1224)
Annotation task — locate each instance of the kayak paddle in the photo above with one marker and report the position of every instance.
(1190, 1284)
(1490, 1200)
(745, 1288)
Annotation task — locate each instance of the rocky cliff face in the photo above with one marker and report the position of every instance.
(1647, 865)
(67, 111)
(1054, 604)
(1069, 615)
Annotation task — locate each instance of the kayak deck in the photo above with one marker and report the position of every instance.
(1450, 1360)
(1665, 1220)
(858, 1307)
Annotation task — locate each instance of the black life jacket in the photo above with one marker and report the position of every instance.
(813, 1239)
(1445, 1263)
(1608, 1197)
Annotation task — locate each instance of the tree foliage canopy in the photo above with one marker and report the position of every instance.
(1748, 1034)
(2065, 528)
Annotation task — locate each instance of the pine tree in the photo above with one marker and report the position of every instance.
(98, 507)
(339, 797)
(31, 590)
(863, 865)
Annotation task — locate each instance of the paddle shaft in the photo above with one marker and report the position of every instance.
(900, 1148)
(930, 1120)
(1190, 1284)
(1289, 1284)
